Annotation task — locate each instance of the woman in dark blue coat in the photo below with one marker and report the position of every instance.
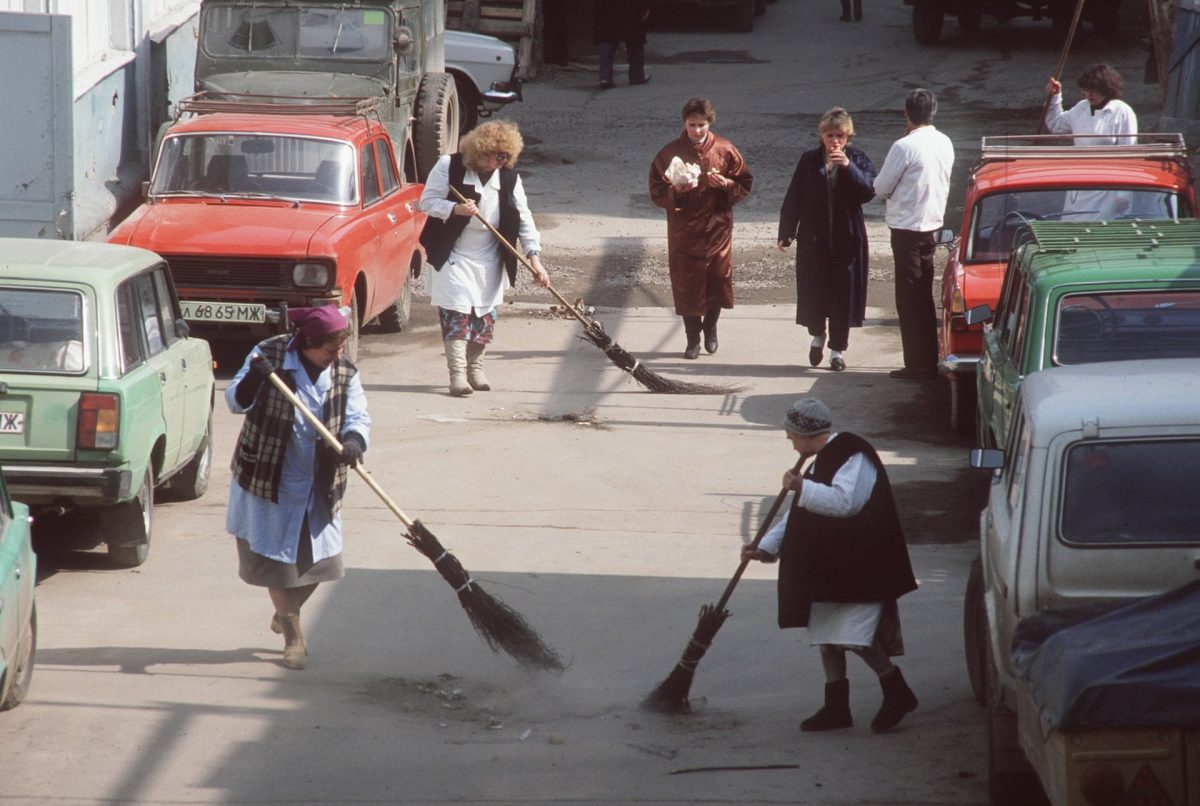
(822, 212)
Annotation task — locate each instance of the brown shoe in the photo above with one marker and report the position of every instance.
(295, 653)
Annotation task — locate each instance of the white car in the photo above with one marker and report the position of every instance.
(485, 75)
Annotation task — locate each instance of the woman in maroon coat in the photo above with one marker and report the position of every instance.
(822, 211)
(700, 221)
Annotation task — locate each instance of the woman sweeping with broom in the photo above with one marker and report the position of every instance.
(287, 488)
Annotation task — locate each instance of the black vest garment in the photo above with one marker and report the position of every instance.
(438, 236)
(862, 558)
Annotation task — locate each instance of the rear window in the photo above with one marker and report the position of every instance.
(41, 331)
(1127, 326)
(997, 217)
(1132, 493)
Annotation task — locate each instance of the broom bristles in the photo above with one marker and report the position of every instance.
(646, 376)
(671, 696)
(503, 628)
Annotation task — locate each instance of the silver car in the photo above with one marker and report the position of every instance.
(485, 75)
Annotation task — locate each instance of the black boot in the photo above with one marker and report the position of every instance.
(858, 10)
(692, 327)
(898, 700)
(710, 330)
(836, 711)
(845, 11)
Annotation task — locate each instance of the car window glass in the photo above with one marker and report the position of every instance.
(148, 314)
(1130, 493)
(166, 305)
(1020, 326)
(1006, 316)
(1127, 326)
(41, 330)
(1016, 459)
(370, 175)
(386, 171)
(129, 327)
(307, 31)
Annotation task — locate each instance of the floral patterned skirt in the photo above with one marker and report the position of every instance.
(459, 326)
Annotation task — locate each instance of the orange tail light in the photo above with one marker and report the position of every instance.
(99, 422)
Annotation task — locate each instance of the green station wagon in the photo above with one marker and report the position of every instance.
(1079, 293)
(103, 394)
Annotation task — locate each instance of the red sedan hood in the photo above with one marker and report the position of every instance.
(232, 227)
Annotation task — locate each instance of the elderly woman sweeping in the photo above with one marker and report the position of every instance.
(471, 268)
(287, 486)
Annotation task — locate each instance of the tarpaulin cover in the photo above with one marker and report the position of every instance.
(1129, 664)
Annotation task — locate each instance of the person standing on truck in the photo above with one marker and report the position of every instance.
(822, 211)
(915, 183)
(698, 177)
(843, 563)
(618, 21)
(286, 495)
(471, 267)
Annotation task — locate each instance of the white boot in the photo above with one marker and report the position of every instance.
(475, 376)
(456, 362)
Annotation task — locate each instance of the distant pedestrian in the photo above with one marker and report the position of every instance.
(471, 268)
(846, 11)
(822, 211)
(698, 178)
(618, 21)
(843, 563)
(915, 182)
(1101, 112)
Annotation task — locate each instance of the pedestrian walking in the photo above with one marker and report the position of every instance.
(471, 269)
(915, 182)
(822, 211)
(286, 496)
(843, 563)
(698, 178)
(618, 21)
(1100, 112)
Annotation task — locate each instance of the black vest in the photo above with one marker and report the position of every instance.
(438, 236)
(862, 558)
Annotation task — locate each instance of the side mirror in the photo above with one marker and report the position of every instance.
(980, 313)
(987, 458)
(403, 39)
(182, 328)
(944, 237)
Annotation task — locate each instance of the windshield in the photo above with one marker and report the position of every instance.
(294, 168)
(307, 31)
(997, 217)
(1132, 493)
(41, 331)
(1127, 326)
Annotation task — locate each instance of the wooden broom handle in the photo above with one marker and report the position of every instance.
(1062, 60)
(334, 443)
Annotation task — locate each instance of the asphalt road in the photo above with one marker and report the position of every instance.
(604, 514)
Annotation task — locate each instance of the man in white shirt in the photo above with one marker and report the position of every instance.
(915, 183)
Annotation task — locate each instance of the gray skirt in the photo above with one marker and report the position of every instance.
(255, 569)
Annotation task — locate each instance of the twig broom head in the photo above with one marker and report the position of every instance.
(647, 377)
(504, 629)
(671, 696)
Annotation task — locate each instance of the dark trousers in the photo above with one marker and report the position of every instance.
(637, 60)
(838, 306)
(913, 253)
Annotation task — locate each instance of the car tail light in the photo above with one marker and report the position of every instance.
(99, 422)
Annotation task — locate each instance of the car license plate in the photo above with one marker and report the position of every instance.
(12, 422)
(198, 310)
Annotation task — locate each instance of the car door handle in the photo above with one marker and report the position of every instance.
(391, 217)
(409, 208)
(162, 377)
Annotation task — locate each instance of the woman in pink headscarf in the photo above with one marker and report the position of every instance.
(287, 488)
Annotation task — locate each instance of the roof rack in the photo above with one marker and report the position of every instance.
(207, 102)
(1152, 145)
(1131, 233)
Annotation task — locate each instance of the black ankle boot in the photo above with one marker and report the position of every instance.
(898, 700)
(710, 330)
(692, 327)
(836, 711)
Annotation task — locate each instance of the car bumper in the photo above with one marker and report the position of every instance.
(45, 484)
(501, 93)
(959, 363)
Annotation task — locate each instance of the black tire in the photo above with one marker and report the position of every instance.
(192, 482)
(927, 20)
(468, 103)
(741, 18)
(963, 395)
(126, 527)
(1011, 778)
(970, 14)
(975, 632)
(394, 317)
(435, 120)
(14, 688)
(352, 342)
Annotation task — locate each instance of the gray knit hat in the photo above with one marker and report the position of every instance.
(808, 417)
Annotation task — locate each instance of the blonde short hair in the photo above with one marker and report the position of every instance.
(493, 137)
(836, 119)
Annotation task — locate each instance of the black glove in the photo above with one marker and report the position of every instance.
(261, 365)
(353, 448)
(247, 389)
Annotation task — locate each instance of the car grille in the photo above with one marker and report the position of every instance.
(219, 271)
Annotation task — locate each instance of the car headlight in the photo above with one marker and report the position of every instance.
(310, 275)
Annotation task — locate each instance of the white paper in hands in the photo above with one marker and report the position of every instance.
(683, 173)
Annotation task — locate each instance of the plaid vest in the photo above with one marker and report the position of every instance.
(258, 458)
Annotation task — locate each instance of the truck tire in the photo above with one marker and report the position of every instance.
(435, 120)
(394, 317)
(928, 16)
(126, 527)
(975, 631)
(468, 103)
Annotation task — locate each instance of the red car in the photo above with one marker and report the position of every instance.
(1021, 179)
(260, 205)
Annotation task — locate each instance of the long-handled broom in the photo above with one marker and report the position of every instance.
(593, 331)
(1062, 60)
(502, 627)
(671, 696)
